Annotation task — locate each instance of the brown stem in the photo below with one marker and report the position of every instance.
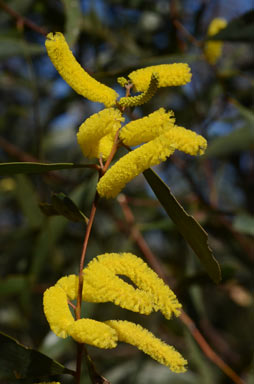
(82, 259)
(23, 20)
(152, 260)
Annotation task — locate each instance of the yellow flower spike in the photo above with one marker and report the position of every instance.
(70, 285)
(144, 340)
(161, 296)
(92, 332)
(72, 72)
(49, 382)
(169, 75)
(132, 164)
(147, 128)
(57, 311)
(96, 135)
(122, 81)
(134, 101)
(213, 49)
(102, 285)
(186, 141)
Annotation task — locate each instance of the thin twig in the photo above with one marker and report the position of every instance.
(23, 20)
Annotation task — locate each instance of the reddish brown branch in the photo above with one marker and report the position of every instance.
(23, 20)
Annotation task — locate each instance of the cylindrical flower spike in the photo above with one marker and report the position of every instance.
(102, 285)
(134, 101)
(213, 49)
(92, 332)
(147, 128)
(132, 164)
(96, 135)
(148, 155)
(161, 297)
(72, 72)
(49, 382)
(57, 311)
(169, 75)
(144, 340)
(103, 270)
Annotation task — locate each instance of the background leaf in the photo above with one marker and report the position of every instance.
(11, 46)
(29, 167)
(193, 233)
(20, 362)
(73, 20)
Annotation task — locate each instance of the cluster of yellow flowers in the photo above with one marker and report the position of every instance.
(96, 135)
(213, 49)
(157, 137)
(101, 284)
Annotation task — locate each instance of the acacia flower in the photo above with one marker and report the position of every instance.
(147, 128)
(57, 311)
(152, 153)
(161, 297)
(213, 49)
(72, 72)
(144, 340)
(168, 75)
(101, 284)
(96, 135)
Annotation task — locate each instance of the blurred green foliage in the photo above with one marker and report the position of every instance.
(39, 118)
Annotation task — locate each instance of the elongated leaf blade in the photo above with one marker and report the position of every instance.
(20, 362)
(193, 233)
(73, 19)
(30, 167)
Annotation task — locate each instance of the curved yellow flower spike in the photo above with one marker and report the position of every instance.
(147, 128)
(213, 49)
(169, 75)
(101, 284)
(93, 332)
(144, 340)
(158, 295)
(72, 72)
(148, 155)
(49, 382)
(62, 323)
(57, 311)
(96, 135)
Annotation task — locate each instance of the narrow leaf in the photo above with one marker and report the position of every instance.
(242, 139)
(12, 46)
(193, 233)
(20, 362)
(73, 20)
(64, 206)
(29, 167)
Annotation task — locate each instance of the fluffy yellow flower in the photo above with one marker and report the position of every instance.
(96, 135)
(148, 155)
(72, 72)
(160, 295)
(132, 164)
(49, 382)
(144, 340)
(96, 333)
(169, 75)
(102, 285)
(147, 128)
(213, 49)
(57, 311)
